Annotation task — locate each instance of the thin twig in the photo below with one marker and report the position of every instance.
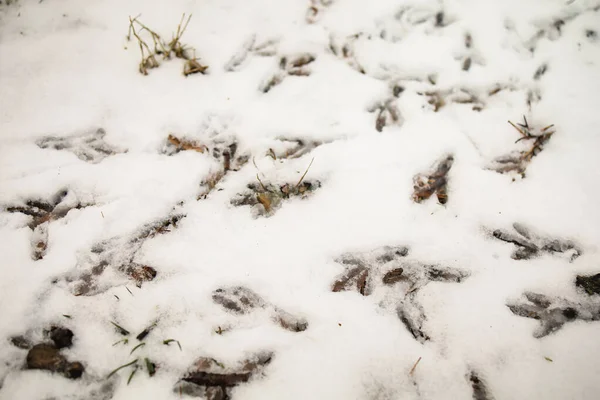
(305, 172)
(414, 366)
(517, 128)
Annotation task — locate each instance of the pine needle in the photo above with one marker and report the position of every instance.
(121, 367)
(121, 330)
(137, 347)
(168, 341)
(131, 375)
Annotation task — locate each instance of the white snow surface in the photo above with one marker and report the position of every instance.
(67, 68)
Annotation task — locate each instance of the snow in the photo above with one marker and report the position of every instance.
(68, 71)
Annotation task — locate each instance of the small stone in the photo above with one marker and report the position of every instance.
(62, 337)
(46, 357)
(74, 370)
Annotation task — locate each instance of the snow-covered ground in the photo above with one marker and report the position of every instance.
(265, 220)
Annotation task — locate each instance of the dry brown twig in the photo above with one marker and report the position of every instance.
(518, 161)
(149, 61)
(174, 47)
(270, 196)
(412, 370)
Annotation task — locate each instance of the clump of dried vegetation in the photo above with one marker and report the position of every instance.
(267, 198)
(164, 49)
(518, 161)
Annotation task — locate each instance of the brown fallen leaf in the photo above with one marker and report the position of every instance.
(182, 144)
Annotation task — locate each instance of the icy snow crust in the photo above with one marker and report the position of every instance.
(332, 285)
